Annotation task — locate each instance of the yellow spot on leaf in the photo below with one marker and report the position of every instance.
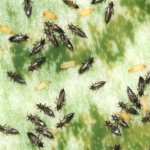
(86, 12)
(125, 116)
(67, 64)
(49, 15)
(137, 68)
(144, 103)
(42, 86)
(5, 29)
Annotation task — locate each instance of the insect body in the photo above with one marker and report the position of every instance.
(125, 116)
(65, 120)
(44, 132)
(45, 109)
(37, 47)
(133, 98)
(4, 28)
(128, 108)
(18, 38)
(49, 15)
(71, 4)
(86, 65)
(97, 85)
(109, 11)
(141, 86)
(8, 130)
(137, 68)
(66, 41)
(144, 103)
(36, 120)
(61, 99)
(96, 1)
(116, 147)
(120, 121)
(147, 80)
(36, 64)
(42, 86)
(86, 12)
(76, 30)
(67, 64)
(51, 37)
(27, 7)
(54, 27)
(113, 128)
(146, 118)
(17, 78)
(35, 140)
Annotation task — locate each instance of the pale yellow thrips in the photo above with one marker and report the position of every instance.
(42, 85)
(67, 64)
(86, 12)
(5, 29)
(49, 15)
(144, 102)
(125, 116)
(137, 68)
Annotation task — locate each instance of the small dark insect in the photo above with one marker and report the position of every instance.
(50, 35)
(146, 118)
(35, 140)
(71, 4)
(96, 1)
(44, 132)
(18, 38)
(17, 78)
(37, 47)
(66, 41)
(8, 130)
(76, 30)
(120, 121)
(27, 7)
(113, 128)
(36, 64)
(147, 80)
(45, 109)
(128, 108)
(133, 98)
(60, 99)
(141, 86)
(109, 11)
(116, 147)
(54, 27)
(65, 120)
(36, 120)
(86, 65)
(97, 85)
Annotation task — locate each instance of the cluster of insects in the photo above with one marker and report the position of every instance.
(41, 126)
(113, 125)
(108, 13)
(54, 33)
(118, 120)
(50, 30)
